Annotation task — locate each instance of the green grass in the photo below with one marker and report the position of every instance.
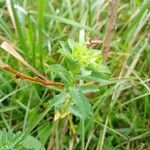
(112, 114)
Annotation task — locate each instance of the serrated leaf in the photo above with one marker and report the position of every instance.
(59, 99)
(75, 111)
(89, 88)
(80, 101)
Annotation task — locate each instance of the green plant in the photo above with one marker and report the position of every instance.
(65, 97)
(18, 141)
(79, 65)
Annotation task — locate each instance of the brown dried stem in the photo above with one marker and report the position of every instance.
(33, 79)
(113, 5)
(93, 42)
(37, 79)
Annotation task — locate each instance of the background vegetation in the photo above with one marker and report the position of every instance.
(112, 114)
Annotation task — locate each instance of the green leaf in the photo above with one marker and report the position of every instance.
(102, 69)
(36, 118)
(19, 28)
(16, 139)
(89, 88)
(31, 142)
(95, 76)
(10, 140)
(44, 133)
(21, 13)
(57, 68)
(59, 99)
(19, 141)
(60, 71)
(134, 22)
(85, 72)
(75, 110)
(81, 102)
(66, 53)
(71, 43)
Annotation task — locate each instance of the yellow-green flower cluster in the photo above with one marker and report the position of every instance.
(86, 57)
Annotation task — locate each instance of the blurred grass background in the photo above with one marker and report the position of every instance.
(35, 29)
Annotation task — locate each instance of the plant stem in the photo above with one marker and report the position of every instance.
(101, 142)
(71, 124)
(57, 135)
(82, 134)
(113, 5)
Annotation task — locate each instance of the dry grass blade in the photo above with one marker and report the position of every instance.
(9, 49)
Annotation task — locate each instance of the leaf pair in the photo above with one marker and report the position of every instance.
(79, 105)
